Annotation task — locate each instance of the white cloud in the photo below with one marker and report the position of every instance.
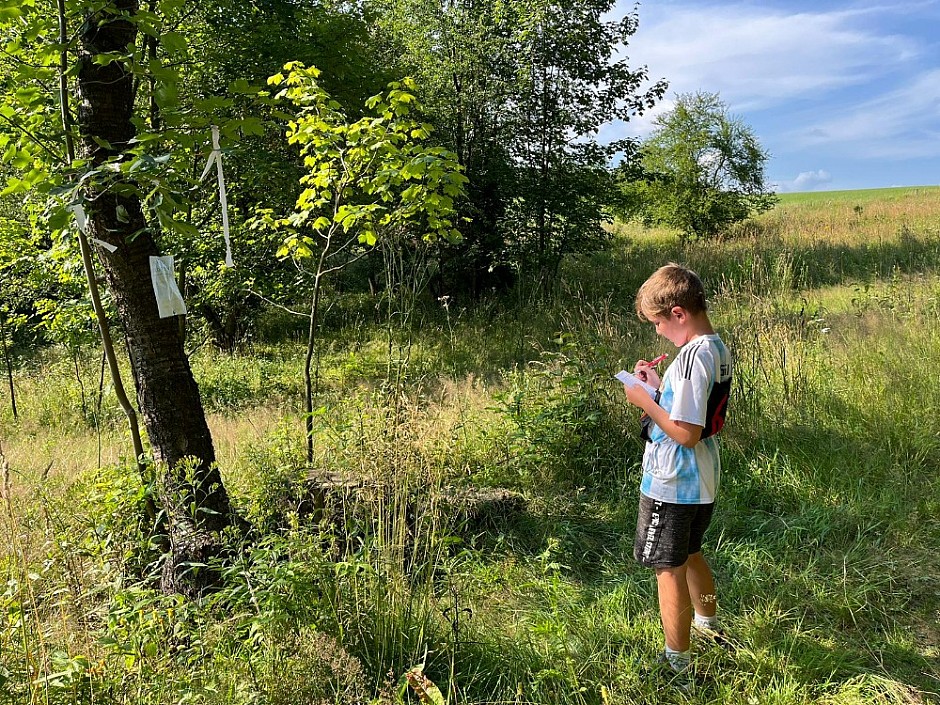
(757, 57)
(639, 126)
(805, 181)
(847, 82)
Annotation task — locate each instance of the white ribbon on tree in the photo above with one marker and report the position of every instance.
(82, 220)
(216, 156)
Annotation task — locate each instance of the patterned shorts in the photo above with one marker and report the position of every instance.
(667, 534)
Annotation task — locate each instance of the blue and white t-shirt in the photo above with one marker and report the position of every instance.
(695, 390)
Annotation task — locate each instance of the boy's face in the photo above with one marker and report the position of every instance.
(673, 326)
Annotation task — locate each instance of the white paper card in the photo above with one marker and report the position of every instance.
(169, 299)
(632, 380)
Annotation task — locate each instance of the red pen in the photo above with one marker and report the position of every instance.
(657, 360)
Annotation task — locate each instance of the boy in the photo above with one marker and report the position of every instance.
(681, 466)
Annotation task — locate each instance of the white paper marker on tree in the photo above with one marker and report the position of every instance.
(169, 300)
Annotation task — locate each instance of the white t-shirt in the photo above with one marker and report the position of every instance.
(695, 390)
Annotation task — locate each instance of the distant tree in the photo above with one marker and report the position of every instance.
(462, 58)
(701, 170)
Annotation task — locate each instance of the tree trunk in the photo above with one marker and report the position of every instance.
(9, 366)
(195, 501)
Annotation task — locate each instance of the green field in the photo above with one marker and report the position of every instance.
(824, 543)
(860, 196)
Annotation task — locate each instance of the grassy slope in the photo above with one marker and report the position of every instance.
(824, 544)
(859, 196)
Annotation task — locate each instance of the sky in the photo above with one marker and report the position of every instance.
(843, 95)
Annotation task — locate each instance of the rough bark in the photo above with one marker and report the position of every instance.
(167, 393)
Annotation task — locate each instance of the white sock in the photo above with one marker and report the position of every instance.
(678, 660)
(706, 622)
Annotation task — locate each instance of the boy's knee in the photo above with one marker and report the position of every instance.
(675, 572)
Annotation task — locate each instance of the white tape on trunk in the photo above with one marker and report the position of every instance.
(81, 219)
(106, 245)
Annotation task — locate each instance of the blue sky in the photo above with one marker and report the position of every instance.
(844, 95)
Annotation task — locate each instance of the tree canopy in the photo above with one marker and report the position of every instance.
(701, 170)
(106, 112)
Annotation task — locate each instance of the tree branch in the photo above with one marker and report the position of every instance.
(276, 304)
(46, 148)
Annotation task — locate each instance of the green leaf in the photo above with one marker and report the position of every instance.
(428, 693)
(252, 126)
(10, 11)
(28, 95)
(174, 42)
(166, 95)
(242, 86)
(161, 72)
(21, 160)
(168, 7)
(14, 185)
(58, 219)
(209, 105)
(106, 58)
(182, 228)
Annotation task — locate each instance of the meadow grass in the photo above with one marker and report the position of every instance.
(823, 545)
(816, 199)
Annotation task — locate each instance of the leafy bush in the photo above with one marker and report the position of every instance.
(566, 430)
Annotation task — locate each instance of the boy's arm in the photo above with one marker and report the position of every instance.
(684, 433)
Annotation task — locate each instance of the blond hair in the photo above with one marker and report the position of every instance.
(669, 286)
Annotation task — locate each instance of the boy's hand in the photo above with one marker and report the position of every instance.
(646, 373)
(637, 396)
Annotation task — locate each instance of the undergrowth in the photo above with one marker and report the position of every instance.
(823, 543)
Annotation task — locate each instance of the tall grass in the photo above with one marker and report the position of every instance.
(823, 544)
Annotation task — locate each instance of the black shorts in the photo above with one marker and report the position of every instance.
(667, 534)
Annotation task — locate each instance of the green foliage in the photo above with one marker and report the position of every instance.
(519, 90)
(272, 477)
(824, 544)
(233, 48)
(820, 556)
(368, 181)
(372, 178)
(113, 503)
(700, 171)
(41, 288)
(193, 67)
(565, 430)
(229, 383)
